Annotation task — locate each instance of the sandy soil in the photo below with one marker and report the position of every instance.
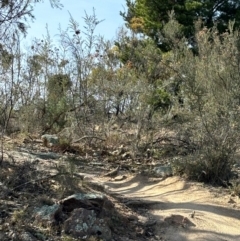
(184, 210)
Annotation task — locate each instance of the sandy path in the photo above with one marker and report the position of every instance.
(217, 215)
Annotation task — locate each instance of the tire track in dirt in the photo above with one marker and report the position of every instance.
(215, 218)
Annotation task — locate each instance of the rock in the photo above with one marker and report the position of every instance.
(120, 178)
(31, 156)
(82, 215)
(50, 140)
(47, 215)
(26, 236)
(90, 215)
(84, 223)
(176, 219)
(90, 201)
(162, 171)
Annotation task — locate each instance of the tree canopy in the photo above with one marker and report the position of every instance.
(150, 16)
(14, 14)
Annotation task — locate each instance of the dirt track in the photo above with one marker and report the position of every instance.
(184, 210)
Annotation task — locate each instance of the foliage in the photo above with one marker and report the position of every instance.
(186, 103)
(18, 216)
(13, 23)
(16, 13)
(57, 104)
(160, 100)
(235, 188)
(150, 16)
(57, 85)
(210, 90)
(147, 62)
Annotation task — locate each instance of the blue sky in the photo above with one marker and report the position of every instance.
(104, 9)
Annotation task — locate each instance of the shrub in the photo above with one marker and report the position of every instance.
(210, 91)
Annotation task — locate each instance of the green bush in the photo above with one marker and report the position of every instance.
(210, 90)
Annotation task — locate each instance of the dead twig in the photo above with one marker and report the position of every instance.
(41, 179)
(112, 173)
(86, 137)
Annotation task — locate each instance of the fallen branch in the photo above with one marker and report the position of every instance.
(85, 137)
(41, 179)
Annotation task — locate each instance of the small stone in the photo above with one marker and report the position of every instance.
(49, 140)
(126, 155)
(162, 171)
(120, 178)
